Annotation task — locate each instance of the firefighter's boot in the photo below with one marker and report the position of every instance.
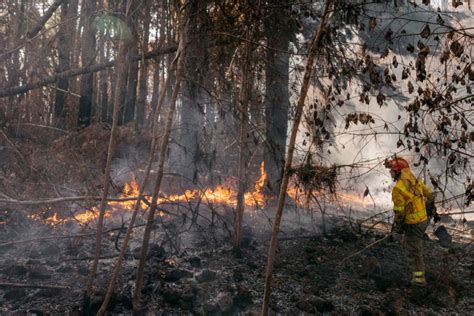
(418, 278)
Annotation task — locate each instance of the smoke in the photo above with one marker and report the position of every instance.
(364, 146)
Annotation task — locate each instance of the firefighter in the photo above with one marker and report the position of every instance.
(410, 198)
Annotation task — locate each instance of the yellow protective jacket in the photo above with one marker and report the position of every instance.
(408, 198)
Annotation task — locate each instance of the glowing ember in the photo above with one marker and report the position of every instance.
(53, 220)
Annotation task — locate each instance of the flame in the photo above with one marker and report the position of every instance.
(257, 198)
(53, 220)
(221, 195)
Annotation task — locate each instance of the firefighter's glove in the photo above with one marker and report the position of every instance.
(430, 208)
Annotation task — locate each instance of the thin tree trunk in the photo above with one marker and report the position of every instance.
(142, 86)
(159, 177)
(289, 157)
(5, 92)
(245, 92)
(87, 80)
(35, 29)
(123, 64)
(64, 55)
(157, 64)
(131, 96)
(103, 83)
(14, 68)
(122, 88)
(123, 248)
(155, 93)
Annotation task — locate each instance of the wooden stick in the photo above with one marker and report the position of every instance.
(38, 286)
(5, 92)
(313, 49)
(35, 30)
(364, 249)
(64, 199)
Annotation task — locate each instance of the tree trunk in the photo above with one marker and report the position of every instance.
(245, 93)
(14, 68)
(123, 64)
(159, 177)
(5, 92)
(276, 95)
(157, 64)
(123, 95)
(136, 208)
(142, 87)
(131, 95)
(155, 92)
(104, 83)
(88, 56)
(289, 157)
(64, 55)
(193, 101)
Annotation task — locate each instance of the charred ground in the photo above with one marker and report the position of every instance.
(192, 267)
(208, 277)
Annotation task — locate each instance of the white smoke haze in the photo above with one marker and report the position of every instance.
(367, 146)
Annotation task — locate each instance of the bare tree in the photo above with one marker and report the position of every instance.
(122, 65)
(87, 57)
(245, 94)
(142, 86)
(160, 169)
(313, 48)
(64, 57)
(192, 110)
(276, 92)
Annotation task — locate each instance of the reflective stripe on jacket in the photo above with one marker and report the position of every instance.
(408, 198)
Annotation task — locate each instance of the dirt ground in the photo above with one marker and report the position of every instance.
(312, 275)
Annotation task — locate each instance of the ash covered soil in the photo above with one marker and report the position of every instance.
(312, 275)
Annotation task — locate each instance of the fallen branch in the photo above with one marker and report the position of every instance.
(66, 199)
(37, 286)
(455, 213)
(14, 147)
(364, 249)
(5, 92)
(92, 258)
(298, 237)
(35, 29)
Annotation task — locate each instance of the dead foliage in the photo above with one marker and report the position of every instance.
(71, 161)
(312, 177)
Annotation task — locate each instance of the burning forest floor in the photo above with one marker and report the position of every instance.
(46, 250)
(199, 273)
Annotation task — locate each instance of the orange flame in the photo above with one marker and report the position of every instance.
(219, 195)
